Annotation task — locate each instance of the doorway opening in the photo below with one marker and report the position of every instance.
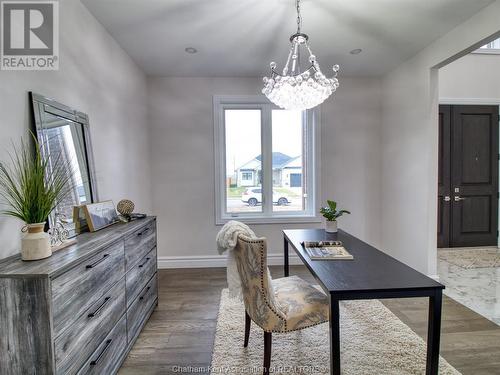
(468, 180)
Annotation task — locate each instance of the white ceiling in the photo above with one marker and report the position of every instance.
(241, 37)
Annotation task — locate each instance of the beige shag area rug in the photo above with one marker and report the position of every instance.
(374, 341)
(471, 257)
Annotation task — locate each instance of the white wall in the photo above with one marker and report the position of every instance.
(475, 76)
(98, 78)
(409, 142)
(181, 119)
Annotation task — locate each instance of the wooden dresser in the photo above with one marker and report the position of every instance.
(79, 311)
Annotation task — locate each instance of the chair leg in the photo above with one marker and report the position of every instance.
(248, 322)
(267, 351)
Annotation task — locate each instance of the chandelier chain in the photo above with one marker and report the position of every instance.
(299, 17)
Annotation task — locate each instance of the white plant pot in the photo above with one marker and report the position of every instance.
(331, 226)
(35, 243)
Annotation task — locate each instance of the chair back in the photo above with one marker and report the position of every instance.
(256, 283)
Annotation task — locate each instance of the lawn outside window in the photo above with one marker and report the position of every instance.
(266, 161)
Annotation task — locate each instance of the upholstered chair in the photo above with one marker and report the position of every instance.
(282, 305)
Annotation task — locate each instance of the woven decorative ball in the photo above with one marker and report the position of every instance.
(125, 207)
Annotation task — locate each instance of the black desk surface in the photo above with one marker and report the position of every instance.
(370, 271)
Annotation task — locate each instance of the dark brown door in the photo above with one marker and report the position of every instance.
(468, 175)
(444, 178)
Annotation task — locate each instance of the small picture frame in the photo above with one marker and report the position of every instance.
(80, 220)
(100, 215)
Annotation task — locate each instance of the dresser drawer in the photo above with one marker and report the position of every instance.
(137, 312)
(139, 275)
(74, 291)
(139, 244)
(75, 345)
(109, 354)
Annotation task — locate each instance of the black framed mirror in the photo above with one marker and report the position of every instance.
(65, 132)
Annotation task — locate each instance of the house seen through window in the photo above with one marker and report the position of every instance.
(268, 160)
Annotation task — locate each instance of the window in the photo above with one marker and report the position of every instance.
(266, 161)
(492, 47)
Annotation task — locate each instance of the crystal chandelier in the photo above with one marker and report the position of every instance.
(294, 88)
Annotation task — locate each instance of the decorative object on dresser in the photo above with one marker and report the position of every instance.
(31, 190)
(135, 216)
(79, 220)
(100, 215)
(125, 207)
(64, 132)
(331, 215)
(80, 311)
(59, 235)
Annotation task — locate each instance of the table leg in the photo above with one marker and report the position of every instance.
(286, 270)
(434, 333)
(334, 337)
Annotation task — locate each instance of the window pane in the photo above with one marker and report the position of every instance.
(492, 45)
(288, 166)
(243, 160)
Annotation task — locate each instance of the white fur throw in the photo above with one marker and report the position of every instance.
(227, 238)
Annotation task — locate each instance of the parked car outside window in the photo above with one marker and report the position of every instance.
(253, 196)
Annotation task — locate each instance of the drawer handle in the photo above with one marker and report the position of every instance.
(143, 232)
(89, 266)
(99, 309)
(142, 265)
(144, 295)
(101, 354)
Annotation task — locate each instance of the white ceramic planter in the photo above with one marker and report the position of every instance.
(35, 243)
(331, 226)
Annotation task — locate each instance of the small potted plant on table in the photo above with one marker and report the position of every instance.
(331, 215)
(31, 186)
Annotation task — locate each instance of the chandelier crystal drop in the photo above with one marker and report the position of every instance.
(297, 89)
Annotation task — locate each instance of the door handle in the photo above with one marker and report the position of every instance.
(458, 198)
(447, 198)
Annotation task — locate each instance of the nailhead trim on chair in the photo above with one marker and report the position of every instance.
(262, 283)
(298, 329)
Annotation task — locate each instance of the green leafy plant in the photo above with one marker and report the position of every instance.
(33, 183)
(330, 213)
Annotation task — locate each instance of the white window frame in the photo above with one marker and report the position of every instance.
(267, 216)
(488, 51)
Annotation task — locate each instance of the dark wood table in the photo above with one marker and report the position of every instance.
(372, 274)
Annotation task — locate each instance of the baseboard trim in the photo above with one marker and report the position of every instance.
(210, 261)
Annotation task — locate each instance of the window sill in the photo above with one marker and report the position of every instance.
(271, 220)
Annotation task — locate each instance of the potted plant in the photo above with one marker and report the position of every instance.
(331, 215)
(31, 187)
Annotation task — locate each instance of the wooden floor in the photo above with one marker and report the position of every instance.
(178, 338)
